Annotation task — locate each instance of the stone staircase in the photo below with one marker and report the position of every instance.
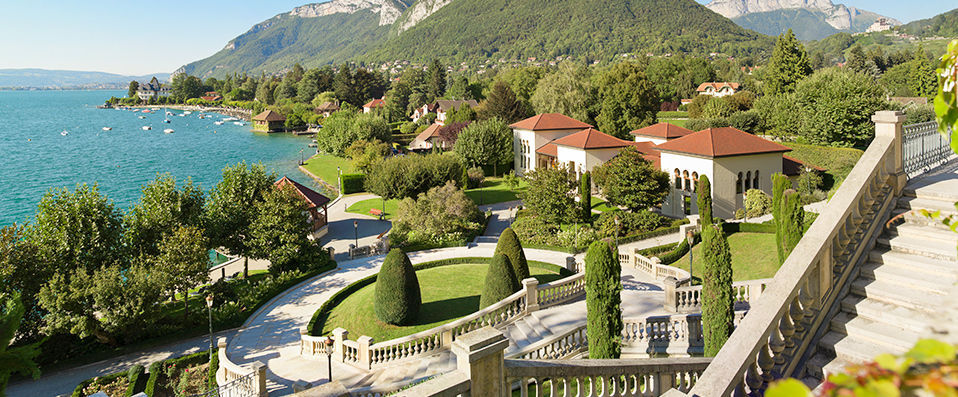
(896, 298)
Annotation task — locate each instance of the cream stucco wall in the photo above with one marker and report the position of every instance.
(657, 141)
(584, 160)
(535, 139)
(723, 174)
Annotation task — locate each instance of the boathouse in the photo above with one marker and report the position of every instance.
(316, 211)
(268, 121)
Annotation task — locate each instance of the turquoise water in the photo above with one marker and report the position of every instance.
(35, 157)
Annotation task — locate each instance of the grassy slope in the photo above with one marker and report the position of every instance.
(838, 162)
(443, 301)
(324, 166)
(753, 256)
(493, 190)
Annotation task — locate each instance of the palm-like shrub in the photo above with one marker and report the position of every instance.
(397, 290)
(500, 281)
(509, 246)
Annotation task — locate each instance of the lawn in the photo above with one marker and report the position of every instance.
(601, 205)
(678, 122)
(673, 115)
(838, 162)
(753, 256)
(493, 190)
(324, 166)
(442, 301)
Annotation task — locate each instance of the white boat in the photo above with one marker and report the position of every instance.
(146, 128)
(169, 113)
(168, 131)
(107, 128)
(187, 112)
(239, 123)
(64, 133)
(312, 145)
(230, 119)
(181, 115)
(142, 117)
(166, 120)
(218, 122)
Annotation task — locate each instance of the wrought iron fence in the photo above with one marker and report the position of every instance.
(244, 386)
(924, 147)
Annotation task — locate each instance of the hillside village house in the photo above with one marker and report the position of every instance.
(327, 108)
(717, 89)
(152, 90)
(316, 205)
(427, 139)
(735, 161)
(440, 108)
(374, 104)
(268, 121)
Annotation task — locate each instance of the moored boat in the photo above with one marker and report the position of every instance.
(168, 131)
(146, 128)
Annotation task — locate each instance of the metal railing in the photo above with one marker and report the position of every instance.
(924, 147)
(244, 386)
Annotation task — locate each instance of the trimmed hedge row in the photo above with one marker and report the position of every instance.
(316, 323)
(103, 380)
(730, 228)
(681, 248)
(353, 183)
(669, 253)
(159, 367)
(136, 377)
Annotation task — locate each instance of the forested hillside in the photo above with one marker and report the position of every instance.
(806, 24)
(945, 25)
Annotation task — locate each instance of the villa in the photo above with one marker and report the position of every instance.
(427, 139)
(327, 108)
(440, 108)
(374, 104)
(152, 90)
(268, 121)
(717, 89)
(316, 205)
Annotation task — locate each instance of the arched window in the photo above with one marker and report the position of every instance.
(678, 179)
(688, 183)
(755, 181)
(695, 181)
(748, 180)
(738, 184)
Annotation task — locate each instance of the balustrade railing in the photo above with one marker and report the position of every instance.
(774, 339)
(623, 377)
(924, 147)
(569, 343)
(688, 299)
(561, 291)
(237, 380)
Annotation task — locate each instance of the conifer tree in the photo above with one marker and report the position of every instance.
(397, 290)
(923, 79)
(585, 196)
(717, 300)
(509, 246)
(704, 200)
(603, 288)
(500, 281)
(789, 65)
(780, 183)
(792, 223)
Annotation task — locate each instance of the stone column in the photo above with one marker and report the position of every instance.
(364, 355)
(339, 335)
(671, 303)
(531, 287)
(260, 386)
(570, 264)
(479, 354)
(890, 123)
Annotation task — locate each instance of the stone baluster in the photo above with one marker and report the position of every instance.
(364, 353)
(671, 300)
(339, 335)
(531, 287)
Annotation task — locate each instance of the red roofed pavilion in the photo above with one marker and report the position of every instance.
(314, 201)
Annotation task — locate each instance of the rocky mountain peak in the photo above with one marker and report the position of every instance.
(388, 10)
(837, 15)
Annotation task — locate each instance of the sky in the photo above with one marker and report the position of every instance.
(139, 37)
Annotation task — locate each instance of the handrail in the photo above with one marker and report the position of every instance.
(774, 336)
(244, 380)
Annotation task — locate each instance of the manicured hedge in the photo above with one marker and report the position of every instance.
(316, 323)
(214, 366)
(681, 248)
(105, 379)
(730, 228)
(155, 369)
(159, 367)
(136, 379)
(353, 183)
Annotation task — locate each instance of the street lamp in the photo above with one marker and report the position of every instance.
(328, 349)
(691, 239)
(616, 235)
(301, 160)
(356, 233)
(340, 180)
(209, 309)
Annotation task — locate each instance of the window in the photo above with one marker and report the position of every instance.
(748, 180)
(738, 184)
(688, 183)
(678, 179)
(755, 181)
(695, 181)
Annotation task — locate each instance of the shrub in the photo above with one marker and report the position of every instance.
(837, 106)
(718, 108)
(134, 374)
(509, 246)
(809, 182)
(407, 128)
(551, 194)
(603, 287)
(442, 215)
(512, 180)
(739, 214)
(757, 203)
(791, 224)
(704, 200)
(410, 175)
(585, 196)
(214, 366)
(155, 370)
(397, 290)
(629, 222)
(500, 281)
(717, 300)
(749, 121)
(476, 177)
(353, 183)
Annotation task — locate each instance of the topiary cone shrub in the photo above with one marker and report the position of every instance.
(603, 288)
(397, 290)
(500, 281)
(509, 246)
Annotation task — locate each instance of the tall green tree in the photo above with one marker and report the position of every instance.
(436, 79)
(280, 232)
(856, 60)
(629, 100)
(398, 298)
(133, 87)
(717, 312)
(14, 359)
(486, 142)
(503, 103)
(22, 271)
(923, 79)
(500, 282)
(585, 197)
(397, 101)
(230, 208)
(631, 181)
(183, 259)
(568, 91)
(603, 298)
(836, 106)
(163, 206)
(780, 183)
(184, 87)
(510, 246)
(551, 194)
(704, 200)
(792, 223)
(788, 66)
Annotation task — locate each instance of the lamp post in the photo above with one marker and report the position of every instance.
(209, 310)
(691, 239)
(340, 180)
(301, 160)
(329, 357)
(356, 233)
(616, 236)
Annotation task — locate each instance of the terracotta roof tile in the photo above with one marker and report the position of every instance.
(720, 142)
(549, 149)
(550, 121)
(269, 115)
(662, 130)
(311, 197)
(717, 86)
(591, 138)
(375, 103)
(431, 131)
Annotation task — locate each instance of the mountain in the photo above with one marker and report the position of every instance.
(476, 31)
(59, 79)
(942, 25)
(809, 19)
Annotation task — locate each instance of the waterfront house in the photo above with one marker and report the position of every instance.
(268, 121)
(212, 96)
(717, 89)
(316, 205)
(152, 90)
(327, 108)
(374, 104)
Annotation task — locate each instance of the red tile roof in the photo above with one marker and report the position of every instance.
(716, 86)
(550, 121)
(792, 166)
(549, 149)
(720, 142)
(269, 115)
(431, 131)
(662, 130)
(591, 138)
(375, 103)
(646, 148)
(311, 197)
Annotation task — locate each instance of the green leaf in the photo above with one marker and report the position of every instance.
(888, 362)
(788, 388)
(930, 350)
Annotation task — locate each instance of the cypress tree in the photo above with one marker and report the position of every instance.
(464, 179)
(704, 200)
(780, 183)
(585, 196)
(500, 281)
(603, 288)
(717, 311)
(509, 246)
(397, 290)
(793, 222)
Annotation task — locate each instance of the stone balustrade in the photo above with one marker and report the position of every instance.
(622, 377)
(688, 299)
(778, 333)
(565, 345)
(560, 291)
(234, 379)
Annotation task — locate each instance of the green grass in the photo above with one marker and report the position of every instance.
(753, 256)
(493, 190)
(678, 122)
(442, 302)
(673, 115)
(837, 162)
(324, 166)
(363, 207)
(601, 205)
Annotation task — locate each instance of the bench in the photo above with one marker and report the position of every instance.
(377, 213)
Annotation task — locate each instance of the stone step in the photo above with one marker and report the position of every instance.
(915, 263)
(887, 335)
(820, 363)
(946, 206)
(521, 333)
(919, 246)
(901, 275)
(895, 294)
(911, 319)
(486, 239)
(915, 218)
(939, 187)
(853, 349)
(927, 232)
